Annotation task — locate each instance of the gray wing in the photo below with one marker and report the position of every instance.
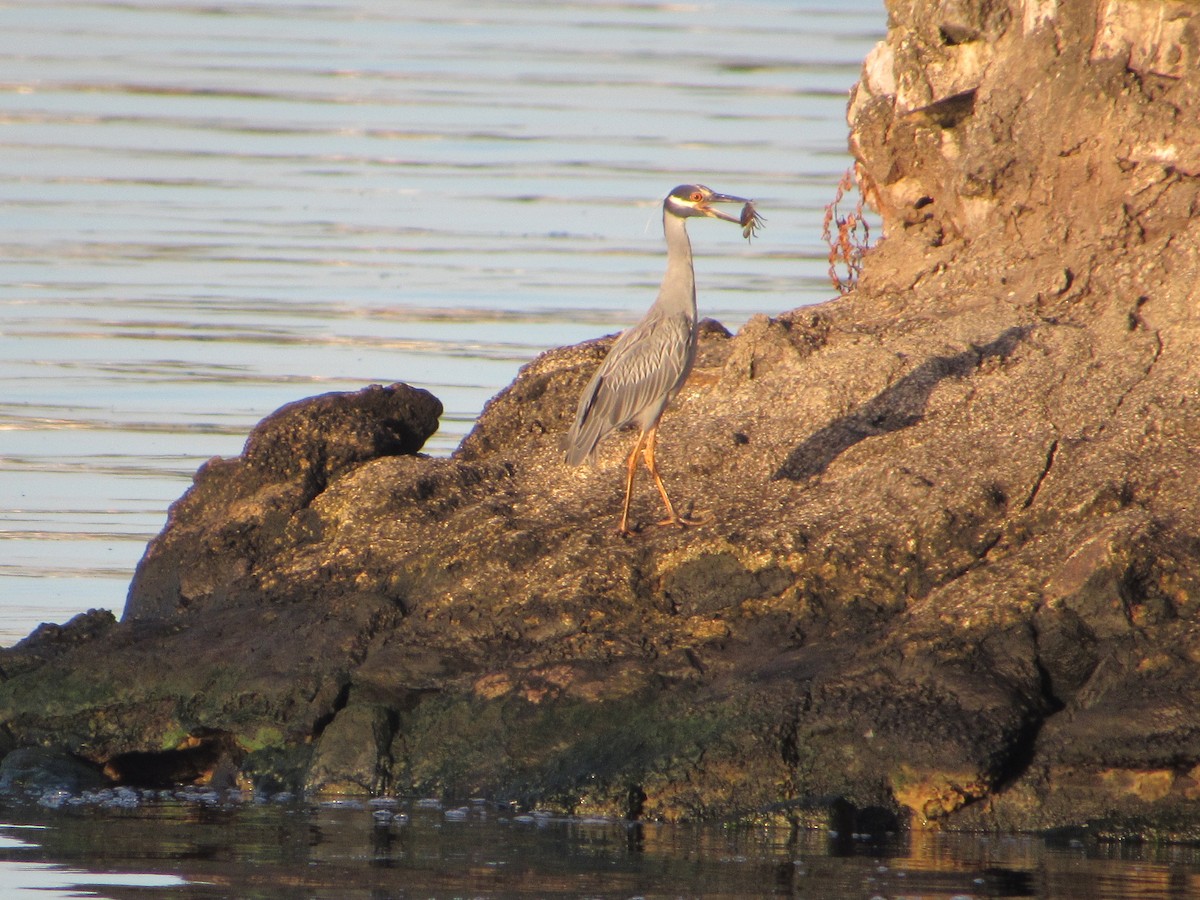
(640, 374)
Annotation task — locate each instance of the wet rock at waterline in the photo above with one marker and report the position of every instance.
(953, 573)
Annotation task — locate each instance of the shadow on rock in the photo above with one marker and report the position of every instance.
(899, 406)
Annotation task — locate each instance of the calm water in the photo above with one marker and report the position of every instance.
(242, 850)
(208, 210)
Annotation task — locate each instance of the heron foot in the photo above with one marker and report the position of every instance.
(704, 518)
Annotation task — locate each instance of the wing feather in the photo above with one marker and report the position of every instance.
(640, 374)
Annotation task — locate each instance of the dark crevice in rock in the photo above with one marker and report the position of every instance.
(1022, 751)
(339, 703)
(951, 112)
(1031, 497)
(201, 759)
(635, 802)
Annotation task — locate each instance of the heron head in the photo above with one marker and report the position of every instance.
(696, 200)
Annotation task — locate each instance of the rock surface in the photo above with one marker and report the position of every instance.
(954, 571)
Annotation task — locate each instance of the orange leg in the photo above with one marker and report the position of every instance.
(648, 455)
(672, 518)
(630, 471)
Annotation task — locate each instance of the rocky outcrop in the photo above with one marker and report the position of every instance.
(953, 572)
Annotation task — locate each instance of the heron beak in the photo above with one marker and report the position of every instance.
(716, 213)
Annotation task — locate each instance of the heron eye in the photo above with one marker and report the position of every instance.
(697, 196)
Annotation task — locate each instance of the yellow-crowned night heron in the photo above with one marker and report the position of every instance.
(649, 363)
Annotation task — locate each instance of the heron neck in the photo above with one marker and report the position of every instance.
(678, 291)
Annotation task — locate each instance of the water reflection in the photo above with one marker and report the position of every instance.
(218, 847)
